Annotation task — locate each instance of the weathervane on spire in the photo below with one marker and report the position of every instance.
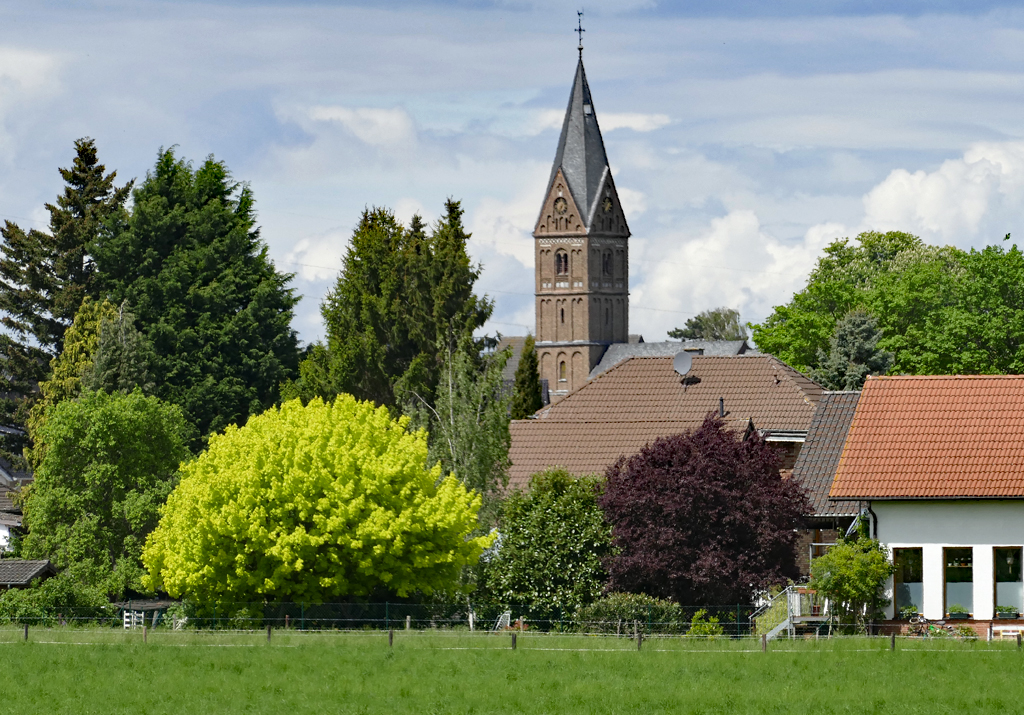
(580, 30)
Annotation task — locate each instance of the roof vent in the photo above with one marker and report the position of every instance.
(682, 362)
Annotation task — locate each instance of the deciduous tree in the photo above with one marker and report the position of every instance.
(553, 541)
(108, 465)
(713, 324)
(703, 517)
(314, 503)
(852, 576)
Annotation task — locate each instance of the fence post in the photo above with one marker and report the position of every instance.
(408, 623)
(391, 638)
(268, 634)
(26, 636)
(764, 642)
(649, 617)
(1018, 637)
(737, 620)
(893, 644)
(513, 640)
(302, 615)
(387, 616)
(639, 640)
(145, 631)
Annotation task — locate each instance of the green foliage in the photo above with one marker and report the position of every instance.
(852, 575)
(109, 463)
(401, 294)
(65, 380)
(622, 613)
(468, 427)
(704, 626)
(957, 608)
(313, 503)
(191, 263)
(526, 397)
(908, 611)
(44, 277)
(712, 324)
(839, 284)
(123, 358)
(1006, 609)
(853, 354)
(552, 544)
(46, 601)
(940, 310)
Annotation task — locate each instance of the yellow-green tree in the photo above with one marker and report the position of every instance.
(313, 503)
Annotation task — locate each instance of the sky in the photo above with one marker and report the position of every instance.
(743, 136)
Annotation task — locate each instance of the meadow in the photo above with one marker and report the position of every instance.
(107, 671)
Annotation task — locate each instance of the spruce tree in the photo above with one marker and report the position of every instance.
(526, 397)
(190, 261)
(44, 277)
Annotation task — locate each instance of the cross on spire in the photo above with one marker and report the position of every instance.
(580, 30)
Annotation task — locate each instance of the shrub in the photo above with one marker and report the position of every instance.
(852, 575)
(622, 612)
(702, 626)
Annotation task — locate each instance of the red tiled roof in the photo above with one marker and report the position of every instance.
(643, 398)
(935, 437)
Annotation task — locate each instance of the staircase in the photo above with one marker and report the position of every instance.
(787, 611)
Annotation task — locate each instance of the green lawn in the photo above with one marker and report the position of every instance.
(102, 671)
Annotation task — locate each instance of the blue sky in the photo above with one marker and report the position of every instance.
(743, 136)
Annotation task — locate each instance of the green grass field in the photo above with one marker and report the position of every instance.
(104, 671)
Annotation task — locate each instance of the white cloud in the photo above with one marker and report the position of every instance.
(377, 127)
(317, 258)
(976, 196)
(732, 262)
(634, 202)
(611, 121)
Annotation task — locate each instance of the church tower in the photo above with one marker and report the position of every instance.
(580, 252)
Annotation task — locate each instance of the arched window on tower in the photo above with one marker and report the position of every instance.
(562, 377)
(561, 263)
(563, 315)
(606, 263)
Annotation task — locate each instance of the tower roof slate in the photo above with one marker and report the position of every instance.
(581, 155)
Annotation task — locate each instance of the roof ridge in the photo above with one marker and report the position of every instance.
(944, 377)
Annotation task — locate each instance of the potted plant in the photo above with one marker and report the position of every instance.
(1006, 612)
(907, 612)
(958, 613)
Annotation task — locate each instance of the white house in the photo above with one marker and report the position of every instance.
(938, 463)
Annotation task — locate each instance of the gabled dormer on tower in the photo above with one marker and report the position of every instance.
(581, 252)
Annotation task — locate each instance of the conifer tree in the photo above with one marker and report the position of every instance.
(526, 397)
(190, 261)
(44, 277)
(402, 293)
(123, 359)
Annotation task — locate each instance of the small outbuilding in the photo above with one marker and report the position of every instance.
(20, 573)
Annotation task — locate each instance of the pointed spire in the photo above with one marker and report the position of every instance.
(581, 155)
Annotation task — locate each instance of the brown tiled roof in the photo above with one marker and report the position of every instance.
(935, 437)
(643, 398)
(19, 572)
(816, 465)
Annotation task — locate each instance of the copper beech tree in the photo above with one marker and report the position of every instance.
(703, 517)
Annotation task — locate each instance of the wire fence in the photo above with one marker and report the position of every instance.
(621, 620)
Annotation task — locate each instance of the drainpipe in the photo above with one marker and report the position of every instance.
(874, 522)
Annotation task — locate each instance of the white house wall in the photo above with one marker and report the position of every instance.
(935, 525)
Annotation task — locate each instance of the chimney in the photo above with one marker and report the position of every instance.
(721, 407)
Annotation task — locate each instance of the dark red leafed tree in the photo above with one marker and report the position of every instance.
(703, 518)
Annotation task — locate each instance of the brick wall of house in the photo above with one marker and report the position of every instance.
(805, 538)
